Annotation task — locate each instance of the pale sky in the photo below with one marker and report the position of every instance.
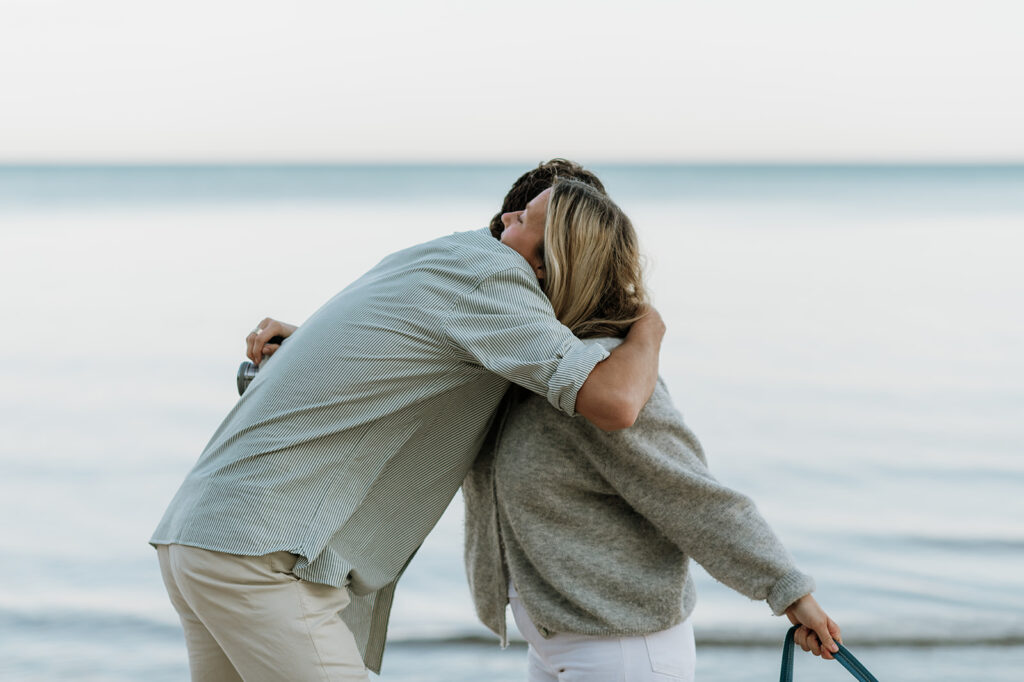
(644, 80)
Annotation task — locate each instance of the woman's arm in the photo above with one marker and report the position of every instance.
(819, 633)
(257, 344)
(619, 386)
(658, 467)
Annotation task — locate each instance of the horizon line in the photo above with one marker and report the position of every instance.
(501, 163)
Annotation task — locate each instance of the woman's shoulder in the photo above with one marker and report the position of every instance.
(606, 342)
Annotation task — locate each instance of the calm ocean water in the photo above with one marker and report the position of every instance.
(846, 341)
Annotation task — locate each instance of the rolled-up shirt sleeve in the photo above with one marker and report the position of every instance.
(506, 325)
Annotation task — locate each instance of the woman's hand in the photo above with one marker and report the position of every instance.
(256, 342)
(818, 633)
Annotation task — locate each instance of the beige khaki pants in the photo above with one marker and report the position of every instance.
(252, 619)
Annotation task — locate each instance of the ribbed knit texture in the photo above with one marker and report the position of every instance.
(353, 438)
(596, 529)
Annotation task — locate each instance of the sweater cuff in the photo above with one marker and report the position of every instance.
(788, 589)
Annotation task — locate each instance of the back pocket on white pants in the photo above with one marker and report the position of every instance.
(672, 651)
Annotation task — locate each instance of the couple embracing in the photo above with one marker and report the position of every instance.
(520, 362)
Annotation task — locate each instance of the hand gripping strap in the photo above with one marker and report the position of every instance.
(844, 657)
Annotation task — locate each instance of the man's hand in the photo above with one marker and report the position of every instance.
(256, 343)
(650, 322)
(818, 633)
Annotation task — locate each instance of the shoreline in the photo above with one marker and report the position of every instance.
(712, 642)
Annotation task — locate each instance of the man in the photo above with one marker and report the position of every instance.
(319, 486)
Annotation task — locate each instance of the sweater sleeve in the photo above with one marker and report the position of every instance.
(658, 467)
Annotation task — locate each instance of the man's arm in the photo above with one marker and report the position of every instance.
(506, 325)
(611, 397)
(620, 385)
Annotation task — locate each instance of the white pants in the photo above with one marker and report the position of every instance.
(666, 656)
(251, 619)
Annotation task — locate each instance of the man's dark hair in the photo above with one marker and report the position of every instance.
(533, 182)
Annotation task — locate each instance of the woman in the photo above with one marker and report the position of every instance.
(588, 533)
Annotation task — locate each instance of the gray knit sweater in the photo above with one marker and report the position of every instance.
(596, 529)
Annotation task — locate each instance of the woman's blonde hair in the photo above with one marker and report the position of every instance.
(593, 272)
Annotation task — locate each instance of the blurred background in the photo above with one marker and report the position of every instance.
(830, 195)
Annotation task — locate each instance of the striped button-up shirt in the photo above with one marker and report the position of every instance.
(351, 441)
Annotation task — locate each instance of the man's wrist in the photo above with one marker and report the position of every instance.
(647, 330)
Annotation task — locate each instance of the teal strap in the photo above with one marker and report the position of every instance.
(844, 657)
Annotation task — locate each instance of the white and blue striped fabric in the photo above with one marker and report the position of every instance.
(352, 440)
